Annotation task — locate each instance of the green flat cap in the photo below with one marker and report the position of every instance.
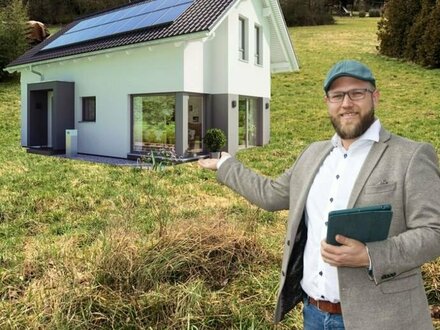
(349, 68)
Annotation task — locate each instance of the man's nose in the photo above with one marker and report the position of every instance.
(346, 101)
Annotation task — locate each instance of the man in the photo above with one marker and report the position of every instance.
(360, 286)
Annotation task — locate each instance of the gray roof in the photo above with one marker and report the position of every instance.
(200, 16)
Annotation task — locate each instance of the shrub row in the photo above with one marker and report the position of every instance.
(301, 12)
(411, 30)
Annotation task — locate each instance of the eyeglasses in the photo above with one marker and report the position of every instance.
(354, 95)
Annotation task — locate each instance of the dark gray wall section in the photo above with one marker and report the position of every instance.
(181, 123)
(265, 121)
(63, 113)
(225, 117)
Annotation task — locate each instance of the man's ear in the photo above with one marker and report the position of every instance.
(376, 97)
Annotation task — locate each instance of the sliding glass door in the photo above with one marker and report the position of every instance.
(195, 120)
(247, 121)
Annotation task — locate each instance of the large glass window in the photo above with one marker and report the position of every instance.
(195, 120)
(154, 123)
(247, 124)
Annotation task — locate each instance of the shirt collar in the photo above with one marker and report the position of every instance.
(371, 134)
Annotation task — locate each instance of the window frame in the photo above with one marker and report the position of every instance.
(258, 53)
(243, 39)
(88, 114)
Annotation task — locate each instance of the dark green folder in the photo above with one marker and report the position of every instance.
(365, 224)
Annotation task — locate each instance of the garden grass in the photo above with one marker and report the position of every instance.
(87, 246)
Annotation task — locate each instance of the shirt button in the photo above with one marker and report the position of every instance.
(331, 199)
(345, 155)
(320, 273)
(282, 273)
(288, 242)
(337, 176)
(322, 297)
(326, 223)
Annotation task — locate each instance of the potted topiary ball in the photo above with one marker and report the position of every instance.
(214, 140)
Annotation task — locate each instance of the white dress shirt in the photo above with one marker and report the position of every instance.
(331, 190)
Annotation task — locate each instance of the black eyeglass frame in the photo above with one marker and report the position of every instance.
(349, 93)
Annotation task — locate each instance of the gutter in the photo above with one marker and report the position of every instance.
(36, 72)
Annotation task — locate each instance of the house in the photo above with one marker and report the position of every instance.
(155, 74)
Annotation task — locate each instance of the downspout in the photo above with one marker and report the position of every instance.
(37, 73)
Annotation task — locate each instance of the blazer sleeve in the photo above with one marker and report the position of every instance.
(420, 243)
(266, 193)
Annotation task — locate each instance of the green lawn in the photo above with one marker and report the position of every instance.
(95, 246)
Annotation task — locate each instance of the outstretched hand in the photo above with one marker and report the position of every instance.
(351, 253)
(208, 163)
(211, 163)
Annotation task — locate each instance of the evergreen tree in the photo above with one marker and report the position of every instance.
(431, 40)
(395, 25)
(13, 18)
(414, 49)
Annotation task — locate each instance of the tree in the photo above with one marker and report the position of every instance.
(13, 18)
(411, 30)
(306, 12)
(394, 27)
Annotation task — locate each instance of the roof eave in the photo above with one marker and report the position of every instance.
(179, 38)
(280, 25)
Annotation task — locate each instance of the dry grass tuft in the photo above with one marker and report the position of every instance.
(126, 279)
(214, 252)
(431, 276)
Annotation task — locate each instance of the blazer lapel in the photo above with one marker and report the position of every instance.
(370, 163)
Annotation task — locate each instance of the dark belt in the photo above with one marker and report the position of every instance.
(326, 306)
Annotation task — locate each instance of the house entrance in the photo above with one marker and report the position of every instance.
(50, 111)
(247, 121)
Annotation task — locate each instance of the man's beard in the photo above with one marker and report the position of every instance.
(350, 132)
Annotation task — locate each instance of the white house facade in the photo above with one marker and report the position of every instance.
(128, 97)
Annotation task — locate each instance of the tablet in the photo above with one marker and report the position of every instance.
(365, 224)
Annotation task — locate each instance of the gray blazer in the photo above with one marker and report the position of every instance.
(398, 171)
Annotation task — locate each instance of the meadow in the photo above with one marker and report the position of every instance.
(94, 246)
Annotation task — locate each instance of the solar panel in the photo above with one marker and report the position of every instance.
(136, 17)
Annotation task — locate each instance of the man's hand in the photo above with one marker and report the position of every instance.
(351, 253)
(211, 163)
(208, 163)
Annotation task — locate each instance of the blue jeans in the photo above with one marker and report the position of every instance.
(314, 319)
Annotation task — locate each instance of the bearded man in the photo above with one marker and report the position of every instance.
(374, 285)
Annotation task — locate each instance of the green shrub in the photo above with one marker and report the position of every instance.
(414, 48)
(431, 40)
(374, 12)
(13, 43)
(214, 139)
(362, 14)
(395, 25)
(411, 30)
(302, 12)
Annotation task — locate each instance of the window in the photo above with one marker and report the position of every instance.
(154, 123)
(258, 59)
(242, 39)
(89, 108)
